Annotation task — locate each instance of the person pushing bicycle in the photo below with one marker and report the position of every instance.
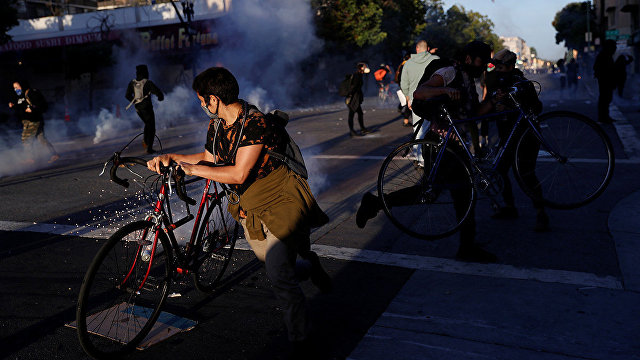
(499, 80)
(276, 207)
(457, 81)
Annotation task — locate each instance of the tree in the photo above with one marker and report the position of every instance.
(449, 31)
(571, 24)
(403, 21)
(350, 22)
(8, 19)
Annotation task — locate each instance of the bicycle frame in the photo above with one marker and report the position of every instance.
(162, 217)
(474, 160)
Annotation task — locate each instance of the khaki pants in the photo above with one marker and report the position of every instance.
(280, 264)
(32, 130)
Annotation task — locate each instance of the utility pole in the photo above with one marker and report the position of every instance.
(588, 27)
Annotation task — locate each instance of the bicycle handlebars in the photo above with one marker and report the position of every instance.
(173, 169)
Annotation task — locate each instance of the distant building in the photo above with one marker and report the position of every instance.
(522, 50)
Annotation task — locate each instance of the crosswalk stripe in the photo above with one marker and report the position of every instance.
(407, 261)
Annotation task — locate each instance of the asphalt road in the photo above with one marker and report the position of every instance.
(52, 221)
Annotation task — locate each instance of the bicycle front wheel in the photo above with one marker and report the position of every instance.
(425, 197)
(569, 165)
(216, 240)
(123, 291)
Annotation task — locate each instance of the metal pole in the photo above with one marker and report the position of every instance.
(588, 26)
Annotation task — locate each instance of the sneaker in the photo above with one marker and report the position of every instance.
(365, 131)
(319, 276)
(505, 212)
(476, 254)
(542, 222)
(368, 209)
(353, 133)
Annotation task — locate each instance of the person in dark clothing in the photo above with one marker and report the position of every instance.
(621, 71)
(355, 98)
(139, 94)
(30, 105)
(604, 71)
(504, 76)
(455, 80)
(572, 74)
(404, 109)
(562, 73)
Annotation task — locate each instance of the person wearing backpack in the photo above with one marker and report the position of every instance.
(139, 93)
(276, 207)
(30, 106)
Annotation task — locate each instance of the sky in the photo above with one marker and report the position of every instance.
(530, 20)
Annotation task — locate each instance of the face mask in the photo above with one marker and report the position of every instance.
(474, 71)
(367, 70)
(209, 113)
(18, 92)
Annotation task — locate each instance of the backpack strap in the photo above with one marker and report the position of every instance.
(26, 97)
(245, 111)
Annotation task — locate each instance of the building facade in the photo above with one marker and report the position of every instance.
(516, 44)
(619, 20)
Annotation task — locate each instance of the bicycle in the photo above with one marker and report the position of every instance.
(431, 197)
(383, 93)
(128, 281)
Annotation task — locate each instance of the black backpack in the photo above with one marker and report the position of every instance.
(345, 86)
(40, 101)
(292, 155)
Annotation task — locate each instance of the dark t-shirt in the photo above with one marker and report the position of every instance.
(257, 130)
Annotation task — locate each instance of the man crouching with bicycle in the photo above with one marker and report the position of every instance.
(276, 207)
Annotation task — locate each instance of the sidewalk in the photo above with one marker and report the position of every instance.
(445, 315)
(449, 316)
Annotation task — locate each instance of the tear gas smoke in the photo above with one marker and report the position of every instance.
(263, 43)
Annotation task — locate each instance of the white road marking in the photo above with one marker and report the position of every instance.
(407, 261)
(635, 160)
(457, 267)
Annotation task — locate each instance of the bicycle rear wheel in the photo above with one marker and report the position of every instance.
(215, 243)
(122, 292)
(581, 170)
(423, 208)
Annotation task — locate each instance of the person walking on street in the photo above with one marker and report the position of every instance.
(572, 75)
(355, 98)
(30, 106)
(412, 72)
(139, 94)
(604, 71)
(276, 207)
(404, 109)
(562, 75)
(621, 71)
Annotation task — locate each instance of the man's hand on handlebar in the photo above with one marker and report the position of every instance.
(154, 164)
